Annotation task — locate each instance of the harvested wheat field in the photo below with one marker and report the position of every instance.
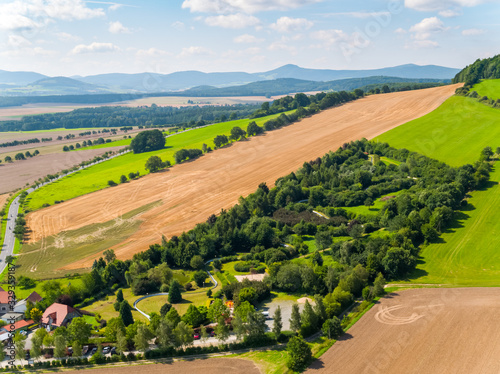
(19, 173)
(205, 366)
(192, 191)
(431, 331)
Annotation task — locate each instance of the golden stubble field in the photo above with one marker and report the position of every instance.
(431, 331)
(192, 191)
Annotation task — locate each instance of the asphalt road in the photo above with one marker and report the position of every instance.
(9, 241)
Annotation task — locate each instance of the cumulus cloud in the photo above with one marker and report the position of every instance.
(195, 51)
(247, 39)
(330, 37)
(17, 41)
(362, 15)
(117, 28)
(287, 24)
(66, 37)
(245, 6)
(232, 21)
(449, 13)
(425, 28)
(436, 5)
(94, 47)
(400, 31)
(472, 32)
(29, 14)
(425, 44)
(151, 52)
(282, 46)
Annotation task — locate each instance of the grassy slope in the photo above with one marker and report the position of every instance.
(455, 133)
(96, 177)
(489, 87)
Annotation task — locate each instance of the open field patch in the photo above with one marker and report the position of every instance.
(445, 330)
(45, 258)
(488, 87)
(454, 133)
(190, 192)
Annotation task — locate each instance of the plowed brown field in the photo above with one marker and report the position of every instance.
(208, 366)
(431, 331)
(190, 192)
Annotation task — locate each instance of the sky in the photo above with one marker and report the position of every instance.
(77, 37)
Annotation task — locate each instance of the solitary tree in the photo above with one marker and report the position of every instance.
(79, 330)
(126, 313)
(277, 323)
(59, 346)
(148, 141)
(196, 262)
(299, 353)
(77, 349)
(142, 337)
(174, 292)
(332, 328)
(154, 163)
(19, 344)
(378, 285)
(165, 308)
(123, 179)
(221, 330)
(295, 318)
(36, 347)
(121, 342)
(183, 334)
(199, 277)
(369, 202)
(109, 256)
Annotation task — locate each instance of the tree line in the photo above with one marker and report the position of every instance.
(487, 68)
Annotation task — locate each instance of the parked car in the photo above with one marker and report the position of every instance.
(85, 349)
(196, 336)
(113, 351)
(93, 351)
(266, 315)
(69, 351)
(212, 333)
(27, 355)
(106, 350)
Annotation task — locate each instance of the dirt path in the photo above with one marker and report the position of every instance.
(192, 191)
(438, 330)
(205, 366)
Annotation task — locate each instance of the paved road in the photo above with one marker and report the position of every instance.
(10, 239)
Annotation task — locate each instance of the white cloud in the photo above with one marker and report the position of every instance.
(245, 6)
(287, 24)
(178, 25)
(330, 37)
(232, 21)
(358, 14)
(425, 44)
(247, 39)
(449, 13)
(66, 37)
(17, 41)
(195, 51)
(425, 28)
(94, 48)
(151, 52)
(436, 5)
(116, 27)
(30, 14)
(282, 46)
(400, 31)
(472, 32)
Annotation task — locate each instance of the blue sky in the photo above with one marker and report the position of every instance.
(76, 37)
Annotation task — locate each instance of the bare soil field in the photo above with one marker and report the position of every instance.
(3, 199)
(192, 191)
(205, 366)
(17, 174)
(432, 331)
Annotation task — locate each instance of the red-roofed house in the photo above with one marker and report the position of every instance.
(34, 297)
(58, 315)
(4, 301)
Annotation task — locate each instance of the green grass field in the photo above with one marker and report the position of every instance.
(455, 133)
(467, 253)
(489, 87)
(96, 177)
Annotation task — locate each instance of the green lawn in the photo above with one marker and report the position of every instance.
(374, 209)
(455, 133)
(96, 177)
(467, 253)
(488, 87)
(24, 293)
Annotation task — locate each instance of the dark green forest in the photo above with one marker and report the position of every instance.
(488, 68)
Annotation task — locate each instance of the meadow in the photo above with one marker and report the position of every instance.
(467, 253)
(454, 133)
(488, 87)
(96, 177)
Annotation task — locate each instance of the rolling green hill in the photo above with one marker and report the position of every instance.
(455, 133)
(488, 87)
(467, 253)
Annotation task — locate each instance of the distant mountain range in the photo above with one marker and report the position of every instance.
(30, 83)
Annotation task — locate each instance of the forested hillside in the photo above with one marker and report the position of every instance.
(488, 68)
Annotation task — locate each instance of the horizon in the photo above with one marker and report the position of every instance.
(235, 71)
(82, 38)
